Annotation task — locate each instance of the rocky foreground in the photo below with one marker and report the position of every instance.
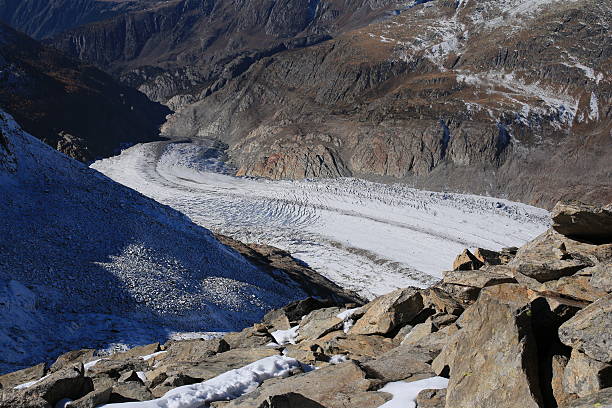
(528, 327)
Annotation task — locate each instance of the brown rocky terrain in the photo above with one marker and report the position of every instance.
(492, 98)
(527, 327)
(74, 107)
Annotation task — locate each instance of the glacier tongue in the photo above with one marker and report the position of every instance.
(368, 237)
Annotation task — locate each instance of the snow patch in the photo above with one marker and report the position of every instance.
(288, 336)
(229, 385)
(405, 393)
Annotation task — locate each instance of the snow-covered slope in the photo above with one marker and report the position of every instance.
(368, 237)
(86, 262)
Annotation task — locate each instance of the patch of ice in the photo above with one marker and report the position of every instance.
(405, 393)
(229, 385)
(593, 107)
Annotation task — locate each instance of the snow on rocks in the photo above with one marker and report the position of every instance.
(283, 337)
(229, 385)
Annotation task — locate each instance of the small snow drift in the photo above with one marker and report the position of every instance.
(86, 262)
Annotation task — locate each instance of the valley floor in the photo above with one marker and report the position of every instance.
(364, 236)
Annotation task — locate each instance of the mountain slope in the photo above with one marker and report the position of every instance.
(72, 106)
(184, 45)
(87, 262)
(42, 18)
(501, 98)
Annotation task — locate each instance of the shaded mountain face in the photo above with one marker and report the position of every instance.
(71, 106)
(88, 262)
(43, 18)
(504, 98)
(188, 46)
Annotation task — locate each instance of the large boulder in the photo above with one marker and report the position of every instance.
(388, 312)
(68, 383)
(601, 277)
(193, 351)
(584, 376)
(319, 322)
(601, 399)
(466, 261)
(477, 279)
(26, 375)
(73, 357)
(550, 256)
(290, 315)
(255, 336)
(335, 386)
(582, 221)
(493, 358)
(400, 363)
(590, 330)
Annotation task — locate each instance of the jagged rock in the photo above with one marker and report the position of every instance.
(93, 399)
(496, 338)
(435, 341)
(441, 301)
(578, 220)
(248, 338)
(590, 330)
(466, 295)
(193, 351)
(600, 399)
(66, 383)
(334, 386)
(486, 256)
(15, 378)
(477, 279)
(319, 322)
(136, 352)
(466, 261)
(133, 391)
(547, 258)
(575, 286)
(418, 332)
(560, 394)
(601, 277)
(115, 368)
(389, 312)
(356, 345)
(402, 333)
(431, 398)
(129, 376)
(400, 363)
(71, 357)
(584, 376)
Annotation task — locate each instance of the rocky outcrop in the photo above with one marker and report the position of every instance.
(73, 107)
(577, 220)
(510, 344)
